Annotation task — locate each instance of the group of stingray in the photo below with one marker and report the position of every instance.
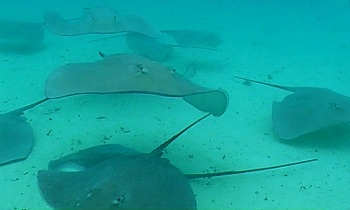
(141, 36)
(117, 177)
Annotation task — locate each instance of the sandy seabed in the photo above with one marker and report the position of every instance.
(294, 45)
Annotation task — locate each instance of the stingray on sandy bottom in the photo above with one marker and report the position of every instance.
(306, 110)
(117, 177)
(130, 73)
(21, 37)
(122, 73)
(99, 21)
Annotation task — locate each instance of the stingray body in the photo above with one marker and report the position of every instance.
(130, 73)
(99, 21)
(307, 109)
(125, 179)
(117, 177)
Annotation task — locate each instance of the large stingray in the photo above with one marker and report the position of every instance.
(117, 177)
(129, 73)
(99, 21)
(306, 110)
(17, 36)
(122, 73)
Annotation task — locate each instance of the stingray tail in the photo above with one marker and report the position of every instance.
(159, 150)
(226, 173)
(30, 106)
(286, 88)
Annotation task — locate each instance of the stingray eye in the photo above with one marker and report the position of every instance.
(141, 69)
(334, 106)
(174, 70)
(118, 200)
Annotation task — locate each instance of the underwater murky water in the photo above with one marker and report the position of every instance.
(289, 43)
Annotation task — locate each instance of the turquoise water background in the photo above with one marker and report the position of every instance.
(294, 43)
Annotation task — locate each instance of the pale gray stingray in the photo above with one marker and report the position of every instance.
(22, 37)
(307, 109)
(99, 21)
(16, 136)
(130, 73)
(117, 177)
(195, 38)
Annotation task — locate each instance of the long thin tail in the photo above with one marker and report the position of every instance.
(159, 150)
(227, 173)
(30, 106)
(287, 88)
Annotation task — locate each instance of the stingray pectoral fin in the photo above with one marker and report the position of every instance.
(225, 173)
(16, 138)
(215, 102)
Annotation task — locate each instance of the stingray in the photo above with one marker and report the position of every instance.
(99, 21)
(20, 36)
(306, 110)
(117, 177)
(116, 74)
(195, 38)
(130, 73)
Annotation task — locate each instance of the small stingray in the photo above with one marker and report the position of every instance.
(99, 21)
(117, 177)
(129, 73)
(306, 110)
(195, 38)
(16, 36)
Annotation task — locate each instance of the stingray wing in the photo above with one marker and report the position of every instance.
(309, 110)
